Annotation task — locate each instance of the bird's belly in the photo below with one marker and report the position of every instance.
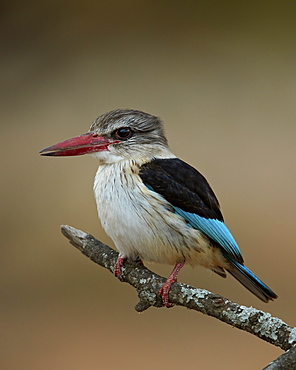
(142, 224)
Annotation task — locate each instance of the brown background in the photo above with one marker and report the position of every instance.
(222, 77)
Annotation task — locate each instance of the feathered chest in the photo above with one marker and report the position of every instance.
(119, 191)
(126, 207)
(135, 217)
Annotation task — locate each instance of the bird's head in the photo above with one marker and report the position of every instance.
(117, 135)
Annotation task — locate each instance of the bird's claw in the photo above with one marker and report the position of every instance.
(118, 267)
(164, 293)
(164, 290)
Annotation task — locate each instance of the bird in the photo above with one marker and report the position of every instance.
(154, 206)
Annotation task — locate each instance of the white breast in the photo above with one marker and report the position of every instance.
(140, 222)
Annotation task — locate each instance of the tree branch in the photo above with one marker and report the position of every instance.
(285, 361)
(147, 284)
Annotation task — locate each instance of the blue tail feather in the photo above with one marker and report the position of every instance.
(250, 280)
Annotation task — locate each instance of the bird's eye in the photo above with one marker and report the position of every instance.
(123, 133)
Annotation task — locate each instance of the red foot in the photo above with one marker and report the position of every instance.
(164, 290)
(117, 268)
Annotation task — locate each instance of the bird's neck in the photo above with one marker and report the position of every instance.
(123, 173)
(138, 158)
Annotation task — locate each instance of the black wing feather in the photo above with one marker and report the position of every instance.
(181, 185)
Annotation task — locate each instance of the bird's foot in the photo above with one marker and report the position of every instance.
(118, 265)
(164, 290)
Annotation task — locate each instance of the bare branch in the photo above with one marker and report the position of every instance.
(285, 361)
(147, 284)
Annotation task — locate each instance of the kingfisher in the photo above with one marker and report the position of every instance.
(154, 206)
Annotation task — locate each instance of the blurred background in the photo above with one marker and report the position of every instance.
(222, 77)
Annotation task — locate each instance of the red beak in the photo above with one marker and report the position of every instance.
(79, 145)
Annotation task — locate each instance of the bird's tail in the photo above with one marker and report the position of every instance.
(250, 280)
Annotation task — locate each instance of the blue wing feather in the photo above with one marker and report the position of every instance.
(218, 232)
(215, 229)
